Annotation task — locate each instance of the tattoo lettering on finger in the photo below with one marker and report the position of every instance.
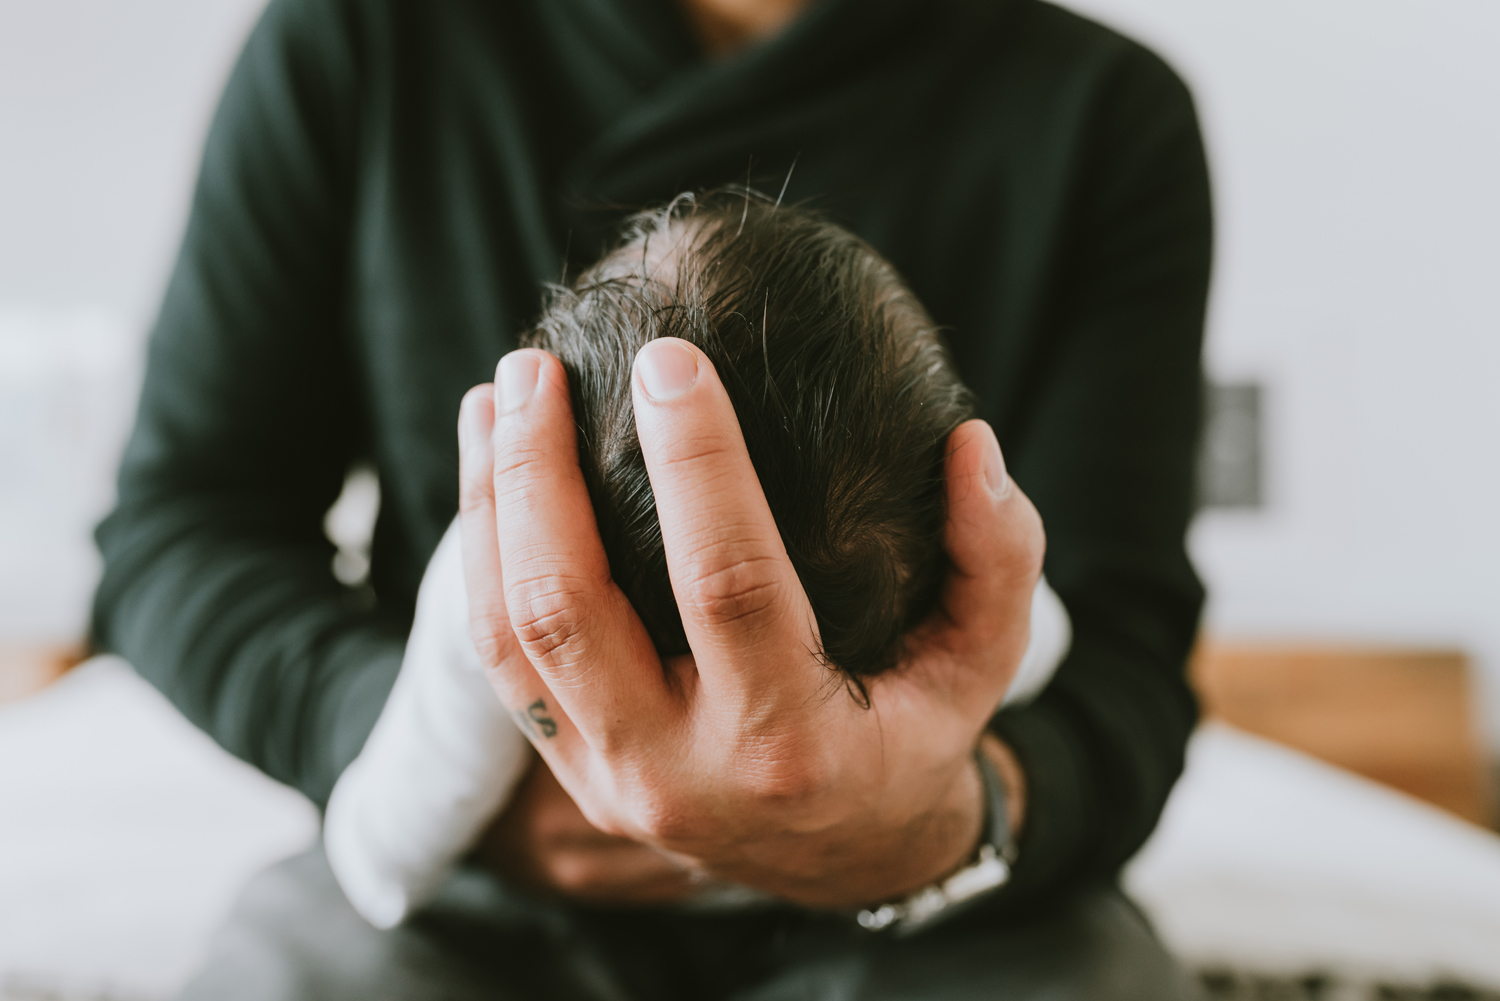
(535, 722)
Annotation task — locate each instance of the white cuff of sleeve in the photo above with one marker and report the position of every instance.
(440, 763)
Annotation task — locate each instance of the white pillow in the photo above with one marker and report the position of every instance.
(1271, 861)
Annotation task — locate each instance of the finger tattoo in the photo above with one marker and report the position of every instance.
(535, 722)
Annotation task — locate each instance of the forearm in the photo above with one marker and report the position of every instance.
(217, 584)
(247, 632)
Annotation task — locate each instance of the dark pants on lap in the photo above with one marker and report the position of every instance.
(293, 937)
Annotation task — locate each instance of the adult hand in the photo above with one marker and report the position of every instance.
(543, 842)
(746, 757)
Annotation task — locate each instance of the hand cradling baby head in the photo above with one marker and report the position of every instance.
(844, 393)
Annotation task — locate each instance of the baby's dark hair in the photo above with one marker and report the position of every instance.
(844, 393)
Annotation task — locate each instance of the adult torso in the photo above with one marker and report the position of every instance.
(499, 143)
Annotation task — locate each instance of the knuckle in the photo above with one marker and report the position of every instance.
(518, 476)
(519, 462)
(783, 784)
(701, 447)
(545, 636)
(729, 594)
(474, 493)
(777, 773)
(546, 616)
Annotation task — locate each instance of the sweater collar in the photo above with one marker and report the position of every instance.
(646, 84)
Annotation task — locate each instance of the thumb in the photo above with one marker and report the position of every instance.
(995, 545)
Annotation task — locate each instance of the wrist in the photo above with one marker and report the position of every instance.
(987, 868)
(1008, 767)
(873, 858)
(937, 843)
(950, 843)
(967, 810)
(875, 862)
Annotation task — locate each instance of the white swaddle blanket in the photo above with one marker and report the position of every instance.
(445, 756)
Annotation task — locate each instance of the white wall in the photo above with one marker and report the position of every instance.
(1356, 154)
(1356, 148)
(103, 105)
(102, 108)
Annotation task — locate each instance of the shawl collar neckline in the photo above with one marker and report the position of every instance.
(665, 94)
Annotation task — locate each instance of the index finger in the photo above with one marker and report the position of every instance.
(745, 614)
(516, 683)
(575, 625)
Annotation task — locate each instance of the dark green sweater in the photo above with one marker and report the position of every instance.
(387, 184)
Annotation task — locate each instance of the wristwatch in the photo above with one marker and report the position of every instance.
(989, 870)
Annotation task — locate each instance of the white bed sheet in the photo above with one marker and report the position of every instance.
(125, 834)
(1269, 860)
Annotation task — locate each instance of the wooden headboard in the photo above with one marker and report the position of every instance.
(1402, 717)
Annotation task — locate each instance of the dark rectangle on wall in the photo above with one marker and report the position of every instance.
(1230, 464)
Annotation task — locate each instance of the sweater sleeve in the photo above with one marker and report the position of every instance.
(217, 582)
(1106, 449)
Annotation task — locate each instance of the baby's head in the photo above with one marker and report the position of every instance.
(843, 390)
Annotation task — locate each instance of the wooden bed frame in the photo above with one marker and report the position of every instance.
(1402, 717)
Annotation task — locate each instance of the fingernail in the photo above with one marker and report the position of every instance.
(668, 368)
(995, 476)
(516, 379)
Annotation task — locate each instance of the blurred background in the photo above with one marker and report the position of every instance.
(1349, 539)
